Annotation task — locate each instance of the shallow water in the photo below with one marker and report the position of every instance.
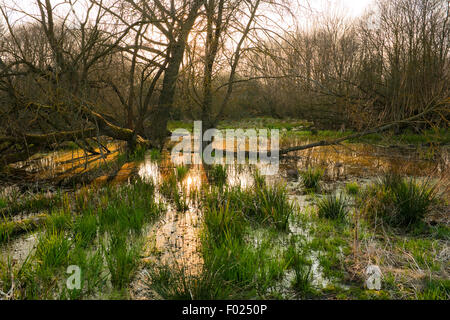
(339, 162)
(176, 235)
(65, 163)
(363, 160)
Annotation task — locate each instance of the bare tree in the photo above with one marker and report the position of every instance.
(50, 68)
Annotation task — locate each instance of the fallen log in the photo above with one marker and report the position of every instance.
(50, 138)
(33, 143)
(377, 129)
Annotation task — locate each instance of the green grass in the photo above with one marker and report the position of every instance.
(262, 204)
(435, 290)
(52, 250)
(173, 190)
(333, 207)
(155, 154)
(168, 186)
(59, 220)
(222, 222)
(70, 145)
(177, 283)
(311, 135)
(272, 205)
(400, 202)
(6, 230)
(34, 203)
(297, 260)
(352, 188)
(423, 250)
(218, 174)
(428, 136)
(263, 122)
(181, 172)
(85, 228)
(93, 273)
(137, 155)
(122, 259)
(311, 178)
(3, 203)
(172, 125)
(11, 229)
(104, 237)
(240, 268)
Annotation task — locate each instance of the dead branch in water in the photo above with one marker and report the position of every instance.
(430, 108)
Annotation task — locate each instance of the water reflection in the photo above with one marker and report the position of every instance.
(360, 160)
(149, 170)
(178, 241)
(66, 162)
(239, 175)
(177, 233)
(194, 179)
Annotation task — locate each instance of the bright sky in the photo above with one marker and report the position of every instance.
(308, 9)
(353, 8)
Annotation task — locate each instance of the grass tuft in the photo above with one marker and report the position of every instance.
(272, 205)
(218, 174)
(435, 290)
(181, 172)
(398, 201)
(333, 207)
(352, 188)
(122, 259)
(311, 178)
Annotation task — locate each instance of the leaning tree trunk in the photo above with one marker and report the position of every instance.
(29, 144)
(158, 129)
